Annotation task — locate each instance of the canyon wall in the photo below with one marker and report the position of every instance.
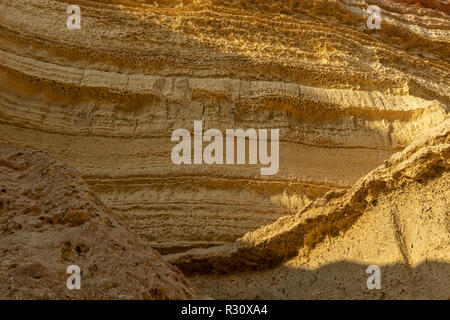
(106, 98)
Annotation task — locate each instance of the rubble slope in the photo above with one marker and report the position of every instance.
(50, 220)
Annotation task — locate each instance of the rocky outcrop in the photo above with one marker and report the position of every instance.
(50, 220)
(397, 218)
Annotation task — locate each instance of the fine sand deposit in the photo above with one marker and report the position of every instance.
(364, 149)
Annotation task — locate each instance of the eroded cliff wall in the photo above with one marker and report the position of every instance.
(106, 98)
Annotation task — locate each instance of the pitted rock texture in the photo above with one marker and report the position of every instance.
(50, 220)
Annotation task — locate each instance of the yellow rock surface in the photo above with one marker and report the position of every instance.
(105, 99)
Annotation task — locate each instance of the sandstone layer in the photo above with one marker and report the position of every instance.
(50, 220)
(106, 98)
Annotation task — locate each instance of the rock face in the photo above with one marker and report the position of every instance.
(397, 218)
(106, 98)
(50, 220)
